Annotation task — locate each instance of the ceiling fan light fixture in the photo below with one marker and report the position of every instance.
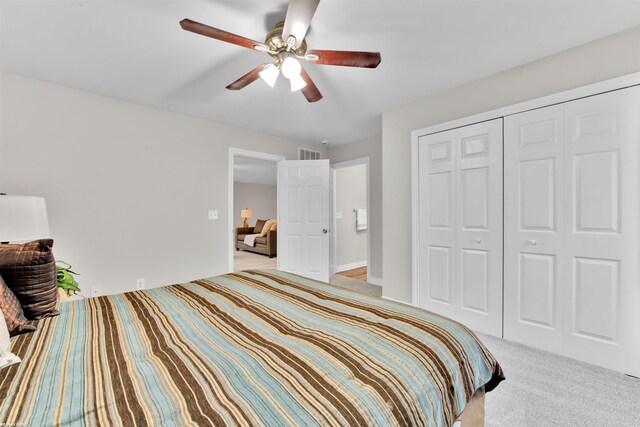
(270, 74)
(297, 83)
(291, 67)
(292, 42)
(285, 43)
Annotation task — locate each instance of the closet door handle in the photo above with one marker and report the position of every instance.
(478, 240)
(533, 242)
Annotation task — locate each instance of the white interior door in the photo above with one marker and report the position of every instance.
(479, 226)
(460, 186)
(437, 223)
(571, 223)
(304, 210)
(333, 244)
(534, 232)
(602, 159)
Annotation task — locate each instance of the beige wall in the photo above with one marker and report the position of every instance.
(610, 57)
(261, 199)
(127, 187)
(371, 148)
(351, 193)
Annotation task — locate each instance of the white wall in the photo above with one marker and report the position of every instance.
(261, 199)
(127, 186)
(351, 193)
(610, 57)
(371, 148)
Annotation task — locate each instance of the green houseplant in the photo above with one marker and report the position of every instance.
(66, 279)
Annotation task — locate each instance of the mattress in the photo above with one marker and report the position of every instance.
(259, 347)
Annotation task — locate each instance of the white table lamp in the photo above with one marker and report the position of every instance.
(23, 219)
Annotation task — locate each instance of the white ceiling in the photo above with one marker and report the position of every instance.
(254, 171)
(136, 51)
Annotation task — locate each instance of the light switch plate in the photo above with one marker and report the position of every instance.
(338, 215)
(213, 214)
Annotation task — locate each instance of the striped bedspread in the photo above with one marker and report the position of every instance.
(259, 347)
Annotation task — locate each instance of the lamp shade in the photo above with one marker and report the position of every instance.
(291, 67)
(245, 213)
(270, 74)
(297, 83)
(23, 218)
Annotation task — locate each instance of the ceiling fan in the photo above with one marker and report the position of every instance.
(286, 45)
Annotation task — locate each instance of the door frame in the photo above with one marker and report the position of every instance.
(334, 224)
(609, 85)
(233, 153)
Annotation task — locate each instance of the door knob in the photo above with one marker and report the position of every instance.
(325, 231)
(478, 240)
(533, 242)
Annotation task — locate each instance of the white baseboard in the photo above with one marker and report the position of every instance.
(351, 266)
(375, 281)
(398, 301)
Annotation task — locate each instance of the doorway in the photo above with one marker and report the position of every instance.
(351, 212)
(253, 209)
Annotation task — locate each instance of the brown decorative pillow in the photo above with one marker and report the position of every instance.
(30, 272)
(267, 227)
(259, 226)
(12, 311)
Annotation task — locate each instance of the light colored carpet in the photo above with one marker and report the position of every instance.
(356, 285)
(543, 389)
(244, 260)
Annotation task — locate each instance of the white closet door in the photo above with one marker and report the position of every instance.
(533, 186)
(461, 225)
(437, 222)
(479, 210)
(602, 135)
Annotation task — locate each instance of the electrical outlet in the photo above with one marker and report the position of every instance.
(213, 214)
(95, 290)
(140, 284)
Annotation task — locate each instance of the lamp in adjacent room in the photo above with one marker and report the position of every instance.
(245, 213)
(23, 219)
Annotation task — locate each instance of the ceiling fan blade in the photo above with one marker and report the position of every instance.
(299, 15)
(225, 36)
(344, 58)
(310, 91)
(247, 79)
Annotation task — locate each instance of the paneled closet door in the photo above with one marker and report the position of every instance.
(437, 222)
(602, 135)
(533, 244)
(479, 210)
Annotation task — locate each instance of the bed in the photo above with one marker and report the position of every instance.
(259, 347)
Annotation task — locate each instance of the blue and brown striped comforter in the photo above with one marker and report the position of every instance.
(259, 347)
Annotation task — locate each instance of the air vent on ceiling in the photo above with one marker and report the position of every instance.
(306, 154)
